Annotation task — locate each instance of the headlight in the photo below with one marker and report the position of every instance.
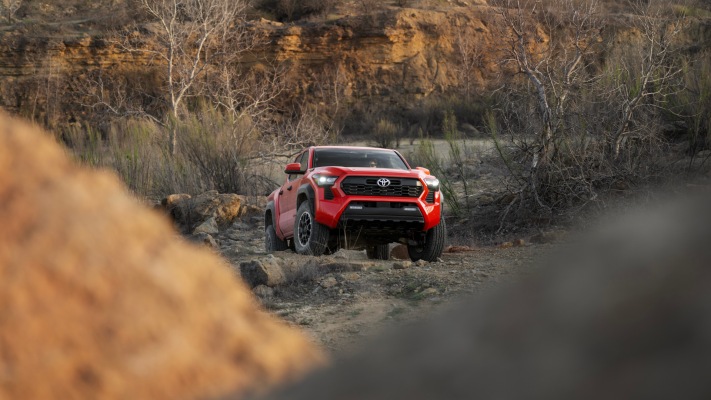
(325, 180)
(432, 183)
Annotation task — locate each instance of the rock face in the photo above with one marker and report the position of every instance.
(99, 298)
(394, 55)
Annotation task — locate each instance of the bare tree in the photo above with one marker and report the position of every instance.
(249, 93)
(120, 96)
(9, 7)
(554, 67)
(288, 7)
(589, 118)
(190, 36)
(469, 56)
(648, 69)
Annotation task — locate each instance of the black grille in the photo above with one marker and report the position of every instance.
(368, 186)
(430, 197)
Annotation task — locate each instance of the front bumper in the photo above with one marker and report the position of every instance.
(335, 209)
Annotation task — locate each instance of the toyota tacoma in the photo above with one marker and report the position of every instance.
(356, 198)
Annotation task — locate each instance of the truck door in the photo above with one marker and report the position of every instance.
(287, 196)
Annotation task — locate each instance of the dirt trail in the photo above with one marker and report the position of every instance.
(340, 309)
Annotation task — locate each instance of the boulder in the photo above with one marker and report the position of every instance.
(209, 227)
(273, 271)
(190, 212)
(248, 211)
(399, 252)
(222, 207)
(265, 271)
(172, 201)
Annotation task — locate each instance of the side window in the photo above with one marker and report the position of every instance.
(302, 159)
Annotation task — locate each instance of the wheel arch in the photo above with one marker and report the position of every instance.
(269, 214)
(305, 193)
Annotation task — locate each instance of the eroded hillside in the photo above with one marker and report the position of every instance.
(392, 56)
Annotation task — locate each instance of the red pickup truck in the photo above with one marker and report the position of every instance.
(355, 197)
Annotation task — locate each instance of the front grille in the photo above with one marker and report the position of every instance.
(368, 186)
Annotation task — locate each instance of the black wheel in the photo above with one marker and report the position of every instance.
(310, 237)
(378, 252)
(272, 242)
(433, 246)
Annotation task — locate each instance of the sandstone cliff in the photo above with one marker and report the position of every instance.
(392, 56)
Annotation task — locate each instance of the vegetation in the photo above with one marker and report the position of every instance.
(584, 108)
(291, 10)
(579, 129)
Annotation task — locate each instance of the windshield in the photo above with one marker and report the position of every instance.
(358, 158)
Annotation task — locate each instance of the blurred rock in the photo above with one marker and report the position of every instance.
(100, 300)
(625, 315)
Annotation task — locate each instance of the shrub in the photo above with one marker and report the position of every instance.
(292, 10)
(386, 134)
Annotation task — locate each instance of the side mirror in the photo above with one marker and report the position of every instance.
(293, 168)
(423, 169)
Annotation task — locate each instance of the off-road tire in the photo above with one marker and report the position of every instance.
(378, 252)
(433, 247)
(310, 237)
(272, 242)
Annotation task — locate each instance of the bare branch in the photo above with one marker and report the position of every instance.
(9, 8)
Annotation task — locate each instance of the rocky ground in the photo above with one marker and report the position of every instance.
(347, 297)
(341, 298)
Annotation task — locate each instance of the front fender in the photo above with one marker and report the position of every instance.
(306, 193)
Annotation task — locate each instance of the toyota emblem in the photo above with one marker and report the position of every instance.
(383, 182)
